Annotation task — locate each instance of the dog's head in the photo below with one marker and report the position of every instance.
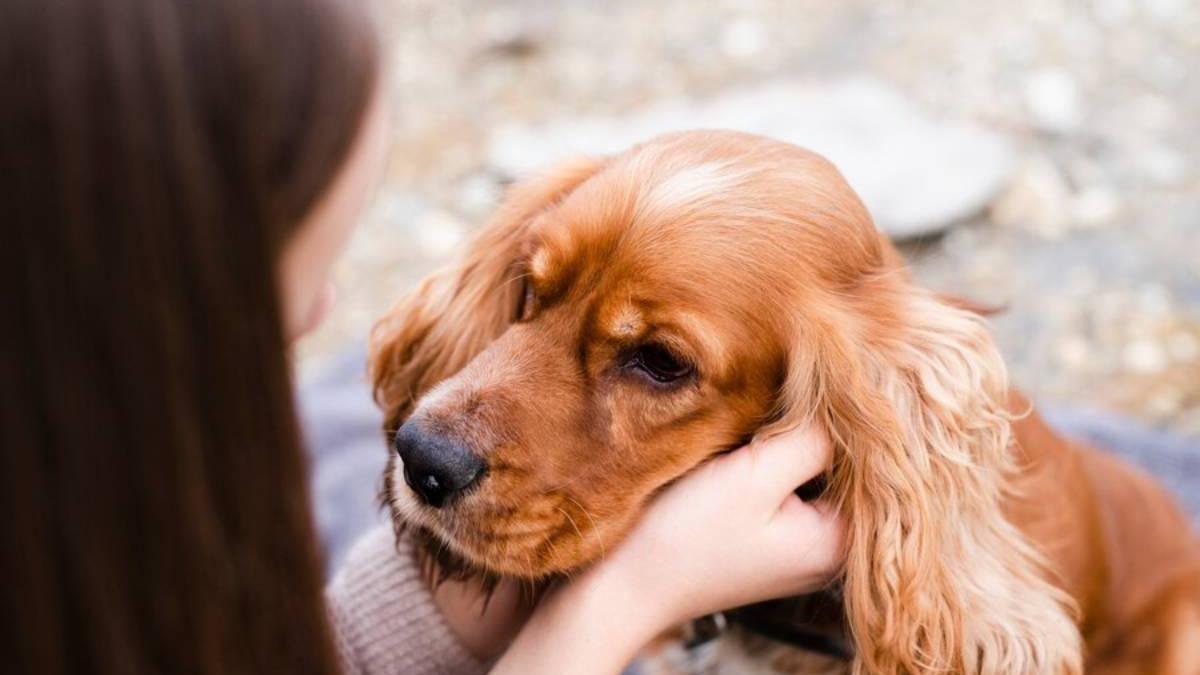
(623, 319)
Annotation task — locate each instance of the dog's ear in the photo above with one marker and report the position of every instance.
(911, 390)
(452, 315)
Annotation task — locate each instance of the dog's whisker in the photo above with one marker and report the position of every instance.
(569, 520)
(595, 531)
(547, 542)
(564, 485)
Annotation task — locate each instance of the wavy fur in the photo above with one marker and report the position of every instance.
(937, 579)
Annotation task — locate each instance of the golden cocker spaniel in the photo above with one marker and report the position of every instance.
(621, 320)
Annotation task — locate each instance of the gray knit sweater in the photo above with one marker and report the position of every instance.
(384, 616)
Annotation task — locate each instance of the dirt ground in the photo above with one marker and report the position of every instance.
(1093, 247)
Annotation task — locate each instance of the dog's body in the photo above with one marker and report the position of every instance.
(623, 320)
(1120, 545)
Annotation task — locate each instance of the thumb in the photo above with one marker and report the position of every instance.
(815, 532)
(792, 458)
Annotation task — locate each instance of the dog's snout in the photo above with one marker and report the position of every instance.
(436, 467)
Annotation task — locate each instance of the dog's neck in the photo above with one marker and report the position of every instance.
(439, 564)
(814, 622)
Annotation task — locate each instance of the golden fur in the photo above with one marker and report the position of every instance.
(753, 262)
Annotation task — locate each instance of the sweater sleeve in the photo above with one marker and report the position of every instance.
(384, 616)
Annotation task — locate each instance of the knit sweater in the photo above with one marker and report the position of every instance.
(384, 616)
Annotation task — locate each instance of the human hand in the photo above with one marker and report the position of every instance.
(731, 533)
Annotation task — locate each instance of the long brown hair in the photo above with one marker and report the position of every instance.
(155, 157)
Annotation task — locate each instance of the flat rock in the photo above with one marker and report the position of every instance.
(916, 173)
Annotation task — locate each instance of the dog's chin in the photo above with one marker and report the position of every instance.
(439, 561)
(444, 557)
(439, 557)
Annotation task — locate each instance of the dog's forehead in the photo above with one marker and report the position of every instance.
(681, 228)
(632, 206)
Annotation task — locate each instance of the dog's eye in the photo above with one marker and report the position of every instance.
(659, 363)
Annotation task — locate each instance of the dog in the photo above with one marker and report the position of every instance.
(620, 320)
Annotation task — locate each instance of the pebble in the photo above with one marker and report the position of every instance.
(1183, 347)
(1165, 10)
(1094, 206)
(478, 195)
(1164, 403)
(1161, 165)
(743, 39)
(1144, 357)
(1052, 98)
(918, 174)
(1073, 351)
(1113, 12)
(1038, 199)
(438, 233)
(1155, 301)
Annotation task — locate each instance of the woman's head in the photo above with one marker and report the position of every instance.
(159, 159)
(309, 255)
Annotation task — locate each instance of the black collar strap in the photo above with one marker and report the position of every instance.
(704, 630)
(822, 643)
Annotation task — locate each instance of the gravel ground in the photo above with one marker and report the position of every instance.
(1093, 246)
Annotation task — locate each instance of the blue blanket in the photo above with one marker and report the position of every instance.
(348, 450)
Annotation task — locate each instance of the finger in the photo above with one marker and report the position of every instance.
(815, 528)
(802, 518)
(788, 460)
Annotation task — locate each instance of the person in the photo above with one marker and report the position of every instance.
(178, 180)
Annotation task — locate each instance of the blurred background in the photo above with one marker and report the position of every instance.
(1043, 155)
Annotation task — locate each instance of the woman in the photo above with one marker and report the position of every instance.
(178, 178)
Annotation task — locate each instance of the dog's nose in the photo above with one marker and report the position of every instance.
(436, 467)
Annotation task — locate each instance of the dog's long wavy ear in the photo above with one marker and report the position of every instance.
(911, 390)
(452, 315)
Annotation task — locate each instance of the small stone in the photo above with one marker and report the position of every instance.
(393, 208)
(1038, 199)
(1161, 165)
(917, 174)
(1164, 403)
(1154, 300)
(1073, 352)
(478, 195)
(1081, 280)
(1144, 356)
(510, 34)
(743, 39)
(1153, 113)
(1094, 207)
(1113, 12)
(1165, 10)
(437, 233)
(1183, 347)
(1052, 99)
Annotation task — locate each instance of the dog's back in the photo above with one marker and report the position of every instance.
(1149, 618)
(1119, 543)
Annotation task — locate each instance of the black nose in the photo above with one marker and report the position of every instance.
(436, 467)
